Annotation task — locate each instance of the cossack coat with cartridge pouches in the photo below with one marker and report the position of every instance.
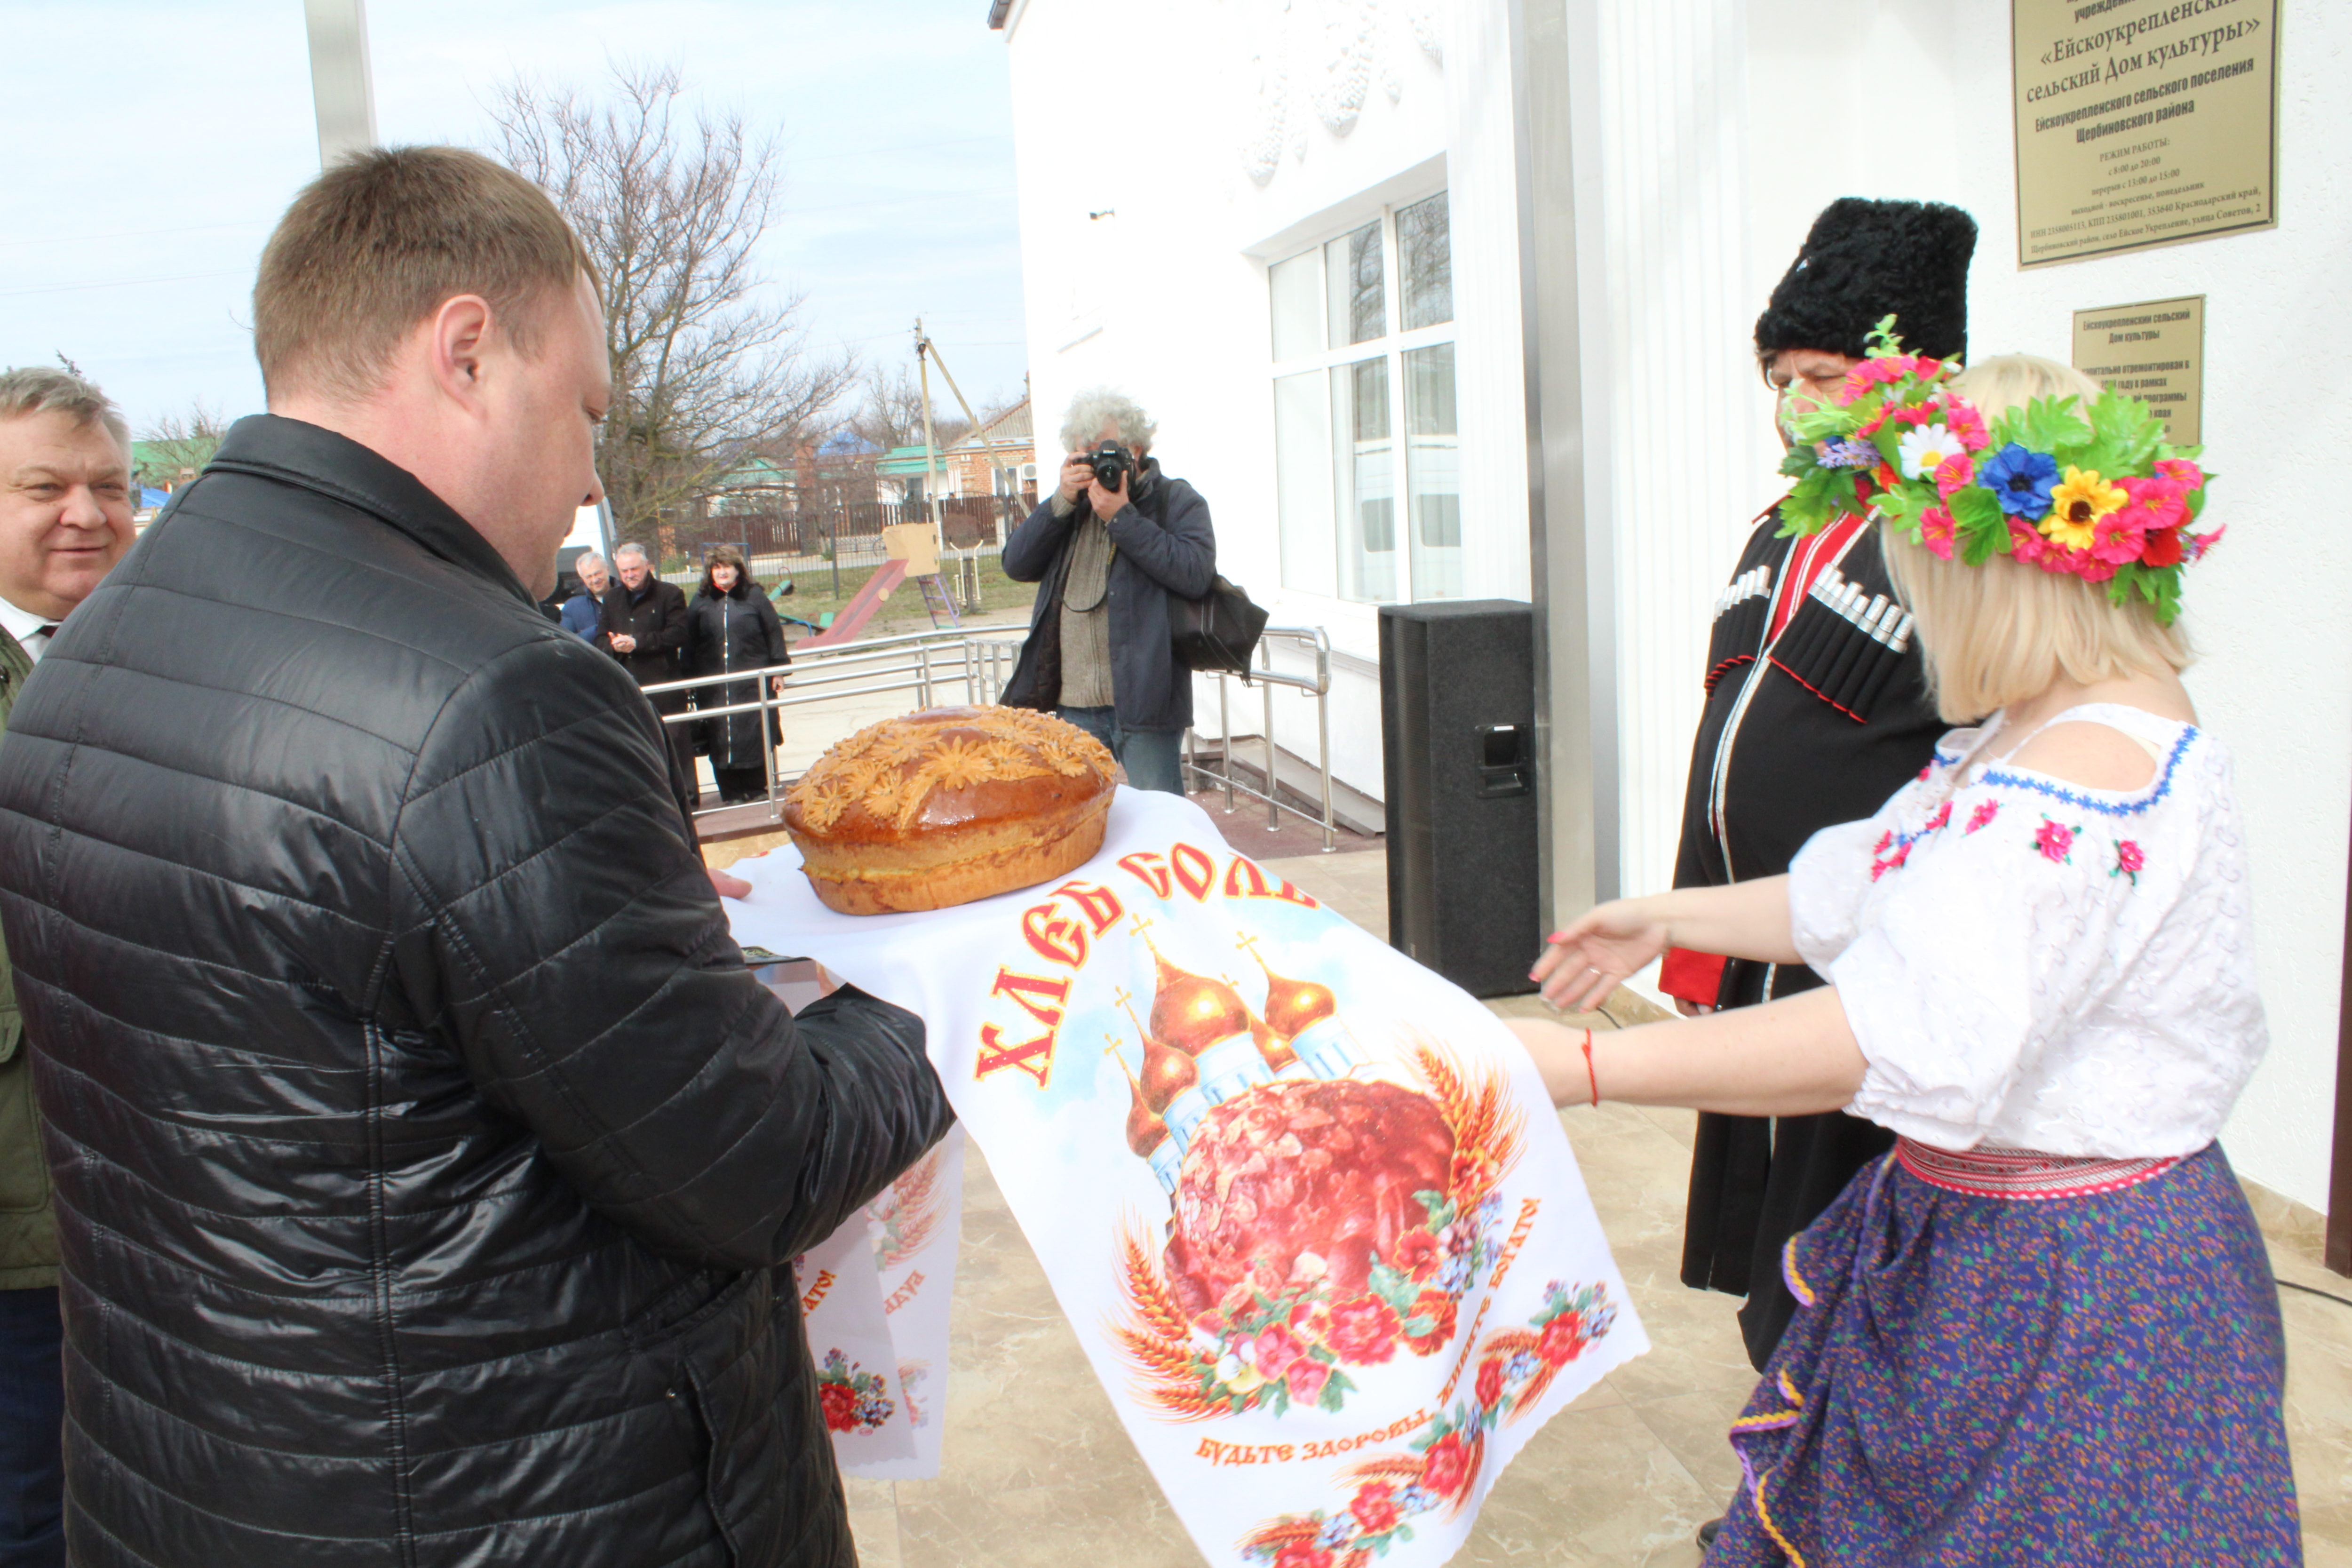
(1812, 726)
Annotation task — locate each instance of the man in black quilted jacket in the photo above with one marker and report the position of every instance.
(424, 1156)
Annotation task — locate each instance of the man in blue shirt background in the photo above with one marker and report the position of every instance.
(580, 610)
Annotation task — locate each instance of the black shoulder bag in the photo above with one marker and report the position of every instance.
(1219, 630)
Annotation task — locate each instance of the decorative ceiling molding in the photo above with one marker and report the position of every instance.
(1314, 60)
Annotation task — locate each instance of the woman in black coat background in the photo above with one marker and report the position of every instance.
(732, 626)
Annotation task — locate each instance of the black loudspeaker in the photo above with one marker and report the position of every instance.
(1458, 727)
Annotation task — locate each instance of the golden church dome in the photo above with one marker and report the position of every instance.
(1292, 1007)
(1192, 1012)
(1166, 1074)
(1272, 1047)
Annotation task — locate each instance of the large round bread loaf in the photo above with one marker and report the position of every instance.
(949, 805)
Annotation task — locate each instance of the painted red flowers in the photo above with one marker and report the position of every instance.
(1306, 1379)
(1364, 1331)
(1446, 1466)
(1564, 1338)
(1489, 1386)
(2055, 840)
(1277, 1350)
(840, 1402)
(1304, 1554)
(1418, 1255)
(1437, 1310)
(1375, 1508)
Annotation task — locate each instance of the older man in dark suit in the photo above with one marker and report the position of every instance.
(65, 521)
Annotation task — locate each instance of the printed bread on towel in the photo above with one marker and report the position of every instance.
(949, 805)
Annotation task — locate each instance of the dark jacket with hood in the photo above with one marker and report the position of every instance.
(427, 1159)
(1162, 543)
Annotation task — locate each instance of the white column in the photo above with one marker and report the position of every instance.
(342, 87)
(1671, 451)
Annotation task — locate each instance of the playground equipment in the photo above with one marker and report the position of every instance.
(910, 549)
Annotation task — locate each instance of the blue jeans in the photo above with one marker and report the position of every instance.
(32, 1430)
(1149, 756)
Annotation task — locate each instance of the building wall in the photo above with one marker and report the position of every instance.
(2268, 608)
(1678, 419)
(1339, 106)
(1711, 132)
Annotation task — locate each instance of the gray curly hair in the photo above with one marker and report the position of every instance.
(39, 389)
(1098, 406)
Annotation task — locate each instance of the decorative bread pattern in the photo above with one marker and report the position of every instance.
(948, 806)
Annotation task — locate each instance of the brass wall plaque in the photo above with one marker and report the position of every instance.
(2142, 122)
(2155, 352)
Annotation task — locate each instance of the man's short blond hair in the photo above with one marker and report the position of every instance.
(2002, 632)
(377, 243)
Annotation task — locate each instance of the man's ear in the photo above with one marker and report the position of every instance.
(457, 347)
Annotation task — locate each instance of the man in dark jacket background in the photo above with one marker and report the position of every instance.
(1107, 561)
(65, 521)
(424, 1156)
(642, 622)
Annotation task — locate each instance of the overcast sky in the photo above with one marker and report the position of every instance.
(151, 145)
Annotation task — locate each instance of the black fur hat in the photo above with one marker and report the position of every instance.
(1867, 259)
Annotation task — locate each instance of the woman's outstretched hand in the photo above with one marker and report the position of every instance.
(1599, 951)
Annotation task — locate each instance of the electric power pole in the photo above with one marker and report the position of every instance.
(968, 565)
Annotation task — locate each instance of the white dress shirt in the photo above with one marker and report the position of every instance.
(31, 631)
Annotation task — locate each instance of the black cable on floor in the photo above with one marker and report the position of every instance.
(2309, 1290)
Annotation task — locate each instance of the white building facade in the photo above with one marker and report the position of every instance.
(1397, 276)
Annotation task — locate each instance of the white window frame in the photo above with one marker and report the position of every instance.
(1393, 344)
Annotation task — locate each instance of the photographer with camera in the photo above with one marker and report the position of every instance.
(1108, 548)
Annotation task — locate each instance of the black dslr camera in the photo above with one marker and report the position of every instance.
(1112, 463)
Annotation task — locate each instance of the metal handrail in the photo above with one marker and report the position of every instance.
(982, 662)
(1267, 678)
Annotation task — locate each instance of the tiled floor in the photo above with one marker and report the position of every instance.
(1036, 1470)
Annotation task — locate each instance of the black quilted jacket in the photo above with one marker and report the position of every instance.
(424, 1155)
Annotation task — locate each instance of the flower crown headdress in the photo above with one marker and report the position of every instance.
(2095, 491)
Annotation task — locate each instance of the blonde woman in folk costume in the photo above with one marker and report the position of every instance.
(2043, 1328)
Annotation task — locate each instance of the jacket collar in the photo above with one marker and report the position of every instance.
(293, 452)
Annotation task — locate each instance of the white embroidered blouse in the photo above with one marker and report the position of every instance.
(2030, 963)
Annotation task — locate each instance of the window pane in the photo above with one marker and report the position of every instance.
(1427, 258)
(1432, 466)
(1357, 296)
(1302, 480)
(1297, 287)
(1364, 474)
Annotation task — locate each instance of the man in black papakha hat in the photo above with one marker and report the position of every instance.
(1817, 710)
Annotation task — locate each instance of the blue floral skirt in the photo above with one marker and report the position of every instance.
(2055, 1380)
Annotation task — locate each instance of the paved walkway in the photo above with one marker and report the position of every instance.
(1039, 1472)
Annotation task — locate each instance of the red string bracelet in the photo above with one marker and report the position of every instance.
(1590, 1075)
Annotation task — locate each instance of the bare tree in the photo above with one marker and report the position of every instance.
(890, 411)
(179, 446)
(705, 366)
